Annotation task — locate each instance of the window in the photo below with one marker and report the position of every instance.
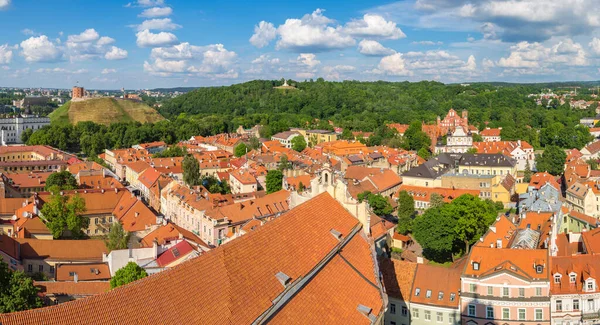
(521, 313)
(427, 315)
(440, 295)
(505, 313)
(490, 291)
(539, 269)
(475, 266)
(428, 294)
(451, 319)
(471, 310)
(590, 305)
(440, 317)
(557, 278)
(539, 314)
(538, 291)
(393, 309)
(417, 292)
(41, 268)
(572, 278)
(452, 296)
(559, 305)
(576, 304)
(472, 287)
(404, 311)
(489, 312)
(52, 269)
(590, 285)
(505, 291)
(415, 313)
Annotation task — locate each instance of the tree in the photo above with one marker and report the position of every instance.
(551, 160)
(26, 134)
(172, 151)
(379, 204)
(406, 210)
(424, 153)
(274, 181)
(63, 212)
(593, 164)
(434, 230)
(436, 200)
(63, 180)
(472, 150)
(527, 173)
(298, 143)
(191, 170)
(17, 291)
(301, 187)
(240, 149)
(284, 163)
(131, 272)
(474, 218)
(415, 138)
(253, 143)
(117, 237)
(477, 137)
(346, 135)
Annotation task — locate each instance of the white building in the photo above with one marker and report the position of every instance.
(11, 128)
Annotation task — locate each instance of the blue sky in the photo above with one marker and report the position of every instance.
(168, 43)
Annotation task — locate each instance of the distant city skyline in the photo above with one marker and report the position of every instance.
(162, 43)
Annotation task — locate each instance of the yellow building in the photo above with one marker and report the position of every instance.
(317, 136)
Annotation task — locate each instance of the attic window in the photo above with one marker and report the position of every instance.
(539, 269)
(572, 278)
(557, 278)
(452, 296)
(440, 295)
(72, 273)
(417, 292)
(428, 294)
(475, 266)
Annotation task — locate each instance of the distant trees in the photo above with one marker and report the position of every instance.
(214, 185)
(451, 228)
(63, 180)
(557, 134)
(415, 138)
(172, 151)
(551, 160)
(274, 181)
(240, 149)
(130, 273)
(253, 143)
(298, 143)
(379, 204)
(17, 291)
(117, 237)
(64, 213)
(191, 170)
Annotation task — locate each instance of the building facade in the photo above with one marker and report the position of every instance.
(11, 128)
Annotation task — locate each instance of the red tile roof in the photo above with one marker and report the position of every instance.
(85, 272)
(178, 251)
(236, 283)
(83, 288)
(439, 282)
(398, 277)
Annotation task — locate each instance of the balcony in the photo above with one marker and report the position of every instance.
(590, 315)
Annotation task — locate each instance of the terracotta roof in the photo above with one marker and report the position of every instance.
(239, 212)
(138, 217)
(422, 193)
(517, 261)
(99, 182)
(68, 250)
(593, 147)
(584, 217)
(591, 240)
(491, 132)
(397, 277)
(502, 230)
(148, 177)
(178, 251)
(540, 179)
(581, 266)
(441, 284)
(236, 283)
(85, 272)
(10, 247)
(86, 165)
(244, 177)
(169, 232)
(138, 166)
(83, 288)
(8, 206)
(295, 181)
(28, 180)
(97, 201)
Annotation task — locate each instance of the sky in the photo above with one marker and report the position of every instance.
(175, 43)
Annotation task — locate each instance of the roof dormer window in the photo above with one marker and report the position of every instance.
(539, 269)
(428, 294)
(590, 285)
(440, 295)
(557, 278)
(572, 278)
(476, 266)
(417, 292)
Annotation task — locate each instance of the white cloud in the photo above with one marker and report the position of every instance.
(160, 65)
(107, 71)
(61, 70)
(427, 43)
(337, 71)
(40, 49)
(116, 53)
(487, 63)
(6, 54)
(312, 33)
(393, 65)
(525, 55)
(150, 3)
(146, 38)
(429, 64)
(373, 48)
(157, 24)
(308, 59)
(373, 25)
(264, 33)
(217, 59)
(212, 61)
(4, 4)
(89, 35)
(105, 40)
(156, 12)
(179, 51)
(28, 32)
(595, 46)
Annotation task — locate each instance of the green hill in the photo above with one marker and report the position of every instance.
(104, 111)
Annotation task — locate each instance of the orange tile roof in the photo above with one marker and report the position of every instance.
(8, 206)
(83, 288)
(10, 246)
(244, 177)
(398, 277)
(518, 261)
(236, 282)
(584, 217)
(401, 128)
(591, 240)
(28, 180)
(138, 218)
(99, 182)
(97, 202)
(583, 266)
(270, 204)
(85, 272)
(491, 132)
(68, 250)
(170, 232)
(422, 193)
(148, 177)
(138, 166)
(441, 282)
(593, 147)
(540, 179)
(85, 165)
(502, 229)
(295, 181)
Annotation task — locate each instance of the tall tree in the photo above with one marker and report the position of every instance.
(415, 138)
(274, 181)
(551, 160)
(117, 237)
(64, 180)
(474, 217)
(64, 213)
(298, 143)
(17, 291)
(406, 210)
(527, 173)
(284, 163)
(191, 170)
(253, 143)
(131, 272)
(240, 149)
(435, 200)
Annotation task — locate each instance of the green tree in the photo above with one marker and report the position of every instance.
(301, 187)
(298, 143)
(472, 150)
(477, 137)
(474, 218)
(191, 170)
(17, 291)
(253, 143)
(64, 180)
(26, 134)
(240, 149)
(434, 230)
(274, 181)
(551, 160)
(63, 212)
(436, 200)
(527, 173)
(346, 135)
(284, 163)
(379, 204)
(172, 151)
(415, 138)
(131, 272)
(593, 164)
(424, 153)
(406, 210)
(117, 237)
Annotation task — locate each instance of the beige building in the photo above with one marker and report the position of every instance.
(583, 198)
(241, 181)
